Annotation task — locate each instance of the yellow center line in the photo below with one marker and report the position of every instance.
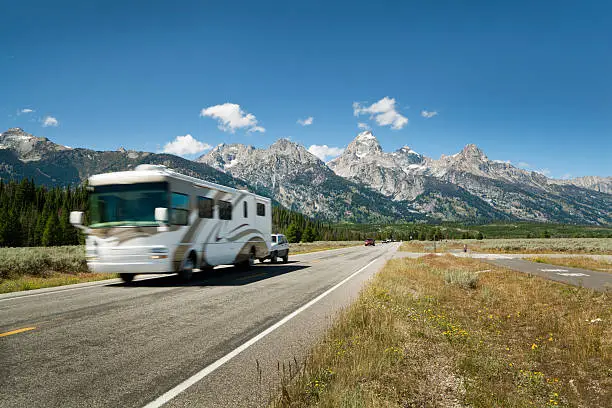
(25, 329)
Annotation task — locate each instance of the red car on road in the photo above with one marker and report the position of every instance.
(370, 242)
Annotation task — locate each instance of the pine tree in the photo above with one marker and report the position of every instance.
(67, 234)
(309, 234)
(11, 235)
(51, 235)
(294, 234)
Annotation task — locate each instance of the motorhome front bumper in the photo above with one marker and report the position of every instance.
(153, 266)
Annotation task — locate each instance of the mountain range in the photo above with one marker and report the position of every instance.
(363, 184)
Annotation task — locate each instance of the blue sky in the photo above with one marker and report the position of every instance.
(529, 82)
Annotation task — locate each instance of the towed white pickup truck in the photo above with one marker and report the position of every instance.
(279, 249)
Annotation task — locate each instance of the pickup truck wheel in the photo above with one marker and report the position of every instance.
(186, 272)
(273, 257)
(127, 277)
(261, 260)
(286, 257)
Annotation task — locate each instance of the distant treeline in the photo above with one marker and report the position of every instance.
(33, 215)
(298, 228)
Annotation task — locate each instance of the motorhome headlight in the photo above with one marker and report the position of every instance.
(159, 253)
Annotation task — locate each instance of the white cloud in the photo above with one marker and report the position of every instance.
(324, 151)
(232, 117)
(523, 165)
(428, 114)
(566, 176)
(383, 111)
(502, 161)
(363, 126)
(50, 121)
(306, 122)
(256, 129)
(185, 145)
(26, 110)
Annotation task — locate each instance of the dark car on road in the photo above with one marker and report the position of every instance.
(370, 242)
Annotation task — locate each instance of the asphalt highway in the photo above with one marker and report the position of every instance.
(223, 340)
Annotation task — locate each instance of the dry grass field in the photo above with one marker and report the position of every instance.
(28, 282)
(519, 245)
(306, 247)
(454, 332)
(428, 246)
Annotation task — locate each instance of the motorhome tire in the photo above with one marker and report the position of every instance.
(186, 272)
(249, 262)
(127, 277)
(252, 257)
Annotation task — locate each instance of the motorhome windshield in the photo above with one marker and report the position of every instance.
(123, 205)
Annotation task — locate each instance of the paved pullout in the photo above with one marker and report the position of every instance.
(126, 345)
(600, 281)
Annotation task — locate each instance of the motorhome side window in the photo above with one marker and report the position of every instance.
(246, 209)
(205, 207)
(225, 210)
(179, 214)
(261, 209)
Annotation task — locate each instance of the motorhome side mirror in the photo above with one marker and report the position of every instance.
(161, 215)
(76, 218)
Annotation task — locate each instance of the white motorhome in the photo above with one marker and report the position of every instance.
(155, 220)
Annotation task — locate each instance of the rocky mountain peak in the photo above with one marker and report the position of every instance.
(16, 133)
(365, 144)
(365, 135)
(471, 151)
(27, 146)
(284, 143)
(401, 185)
(407, 151)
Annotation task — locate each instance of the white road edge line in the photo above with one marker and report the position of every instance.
(171, 394)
